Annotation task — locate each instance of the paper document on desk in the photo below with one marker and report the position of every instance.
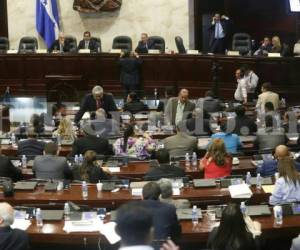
(268, 188)
(83, 226)
(21, 224)
(240, 191)
(114, 169)
(108, 230)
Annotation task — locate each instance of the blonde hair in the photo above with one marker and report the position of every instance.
(217, 151)
(65, 129)
(276, 42)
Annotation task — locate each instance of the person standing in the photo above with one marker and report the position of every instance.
(219, 30)
(94, 101)
(130, 72)
(241, 92)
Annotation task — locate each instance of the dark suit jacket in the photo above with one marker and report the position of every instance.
(88, 104)
(164, 171)
(135, 107)
(13, 239)
(7, 169)
(225, 25)
(212, 105)
(129, 71)
(201, 128)
(142, 49)
(244, 124)
(171, 108)
(55, 46)
(31, 147)
(165, 219)
(93, 47)
(89, 142)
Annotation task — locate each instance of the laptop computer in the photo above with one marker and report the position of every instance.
(225, 183)
(54, 215)
(139, 184)
(186, 213)
(51, 186)
(25, 185)
(265, 181)
(258, 210)
(202, 183)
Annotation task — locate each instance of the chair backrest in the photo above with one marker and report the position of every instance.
(179, 44)
(4, 44)
(98, 42)
(28, 44)
(159, 43)
(123, 43)
(286, 50)
(71, 40)
(241, 42)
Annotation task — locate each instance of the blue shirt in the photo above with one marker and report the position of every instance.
(269, 168)
(232, 141)
(285, 192)
(219, 31)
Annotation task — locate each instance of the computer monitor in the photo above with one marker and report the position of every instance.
(294, 5)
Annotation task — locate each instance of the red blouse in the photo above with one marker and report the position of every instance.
(212, 170)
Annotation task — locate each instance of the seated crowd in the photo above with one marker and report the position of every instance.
(154, 218)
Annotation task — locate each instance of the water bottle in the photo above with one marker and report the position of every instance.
(13, 139)
(195, 215)
(38, 217)
(67, 211)
(248, 179)
(187, 160)
(80, 159)
(155, 93)
(278, 215)
(158, 125)
(24, 161)
(84, 190)
(276, 176)
(76, 159)
(58, 138)
(243, 208)
(258, 181)
(194, 160)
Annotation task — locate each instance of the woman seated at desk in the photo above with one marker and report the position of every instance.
(133, 145)
(217, 162)
(89, 170)
(287, 187)
(65, 130)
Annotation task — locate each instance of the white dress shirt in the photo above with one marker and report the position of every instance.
(219, 31)
(251, 81)
(241, 90)
(179, 112)
(141, 247)
(86, 44)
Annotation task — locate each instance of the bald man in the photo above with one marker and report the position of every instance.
(10, 239)
(269, 166)
(179, 108)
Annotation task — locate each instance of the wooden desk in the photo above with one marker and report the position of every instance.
(111, 200)
(26, 74)
(137, 170)
(52, 233)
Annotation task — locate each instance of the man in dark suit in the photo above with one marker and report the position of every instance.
(179, 108)
(130, 72)
(244, 125)
(91, 142)
(209, 103)
(88, 43)
(199, 124)
(31, 146)
(219, 29)
(165, 219)
(97, 100)
(7, 169)
(164, 168)
(50, 165)
(60, 45)
(134, 105)
(11, 239)
(144, 44)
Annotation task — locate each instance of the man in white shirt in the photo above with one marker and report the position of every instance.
(251, 81)
(241, 92)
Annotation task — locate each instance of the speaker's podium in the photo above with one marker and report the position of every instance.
(64, 87)
(5, 121)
